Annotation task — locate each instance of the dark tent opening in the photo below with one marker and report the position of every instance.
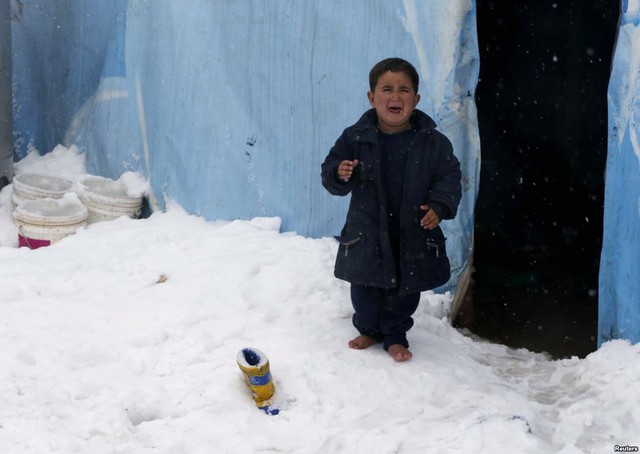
(542, 108)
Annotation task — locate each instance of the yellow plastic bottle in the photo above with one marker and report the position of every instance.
(255, 368)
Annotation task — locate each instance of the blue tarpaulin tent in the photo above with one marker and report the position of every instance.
(228, 108)
(619, 300)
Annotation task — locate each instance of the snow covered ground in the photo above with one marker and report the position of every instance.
(123, 338)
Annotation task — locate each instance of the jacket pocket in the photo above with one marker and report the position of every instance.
(425, 245)
(358, 252)
(426, 261)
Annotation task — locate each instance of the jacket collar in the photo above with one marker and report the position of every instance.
(366, 125)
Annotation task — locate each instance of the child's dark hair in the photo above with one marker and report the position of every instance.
(394, 65)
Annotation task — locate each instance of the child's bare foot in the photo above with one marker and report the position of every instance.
(361, 342)
(399, 352)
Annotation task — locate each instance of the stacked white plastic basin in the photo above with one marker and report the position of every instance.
(35, 187)
(44, 221)
(48, 208)
(107, 199)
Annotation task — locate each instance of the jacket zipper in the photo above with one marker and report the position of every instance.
(349, 243)
(432, 245)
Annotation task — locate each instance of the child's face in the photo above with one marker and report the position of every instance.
(394, 99)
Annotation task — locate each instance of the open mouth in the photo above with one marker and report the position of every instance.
(395, 110)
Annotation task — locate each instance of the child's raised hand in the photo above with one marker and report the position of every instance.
(345, 169)
(430, 220)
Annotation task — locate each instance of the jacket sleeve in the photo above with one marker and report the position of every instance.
(446, 188)
(338, 153)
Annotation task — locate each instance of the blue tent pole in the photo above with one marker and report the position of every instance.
(6, 150)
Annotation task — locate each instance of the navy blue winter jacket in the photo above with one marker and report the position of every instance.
(432, 177)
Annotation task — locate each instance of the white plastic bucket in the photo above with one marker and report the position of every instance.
(33, 187)
(107, 199)
(45, 221)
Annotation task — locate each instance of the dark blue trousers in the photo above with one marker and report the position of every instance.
(383, 314)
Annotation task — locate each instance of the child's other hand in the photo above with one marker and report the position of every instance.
(430, 220)
(345, 169)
